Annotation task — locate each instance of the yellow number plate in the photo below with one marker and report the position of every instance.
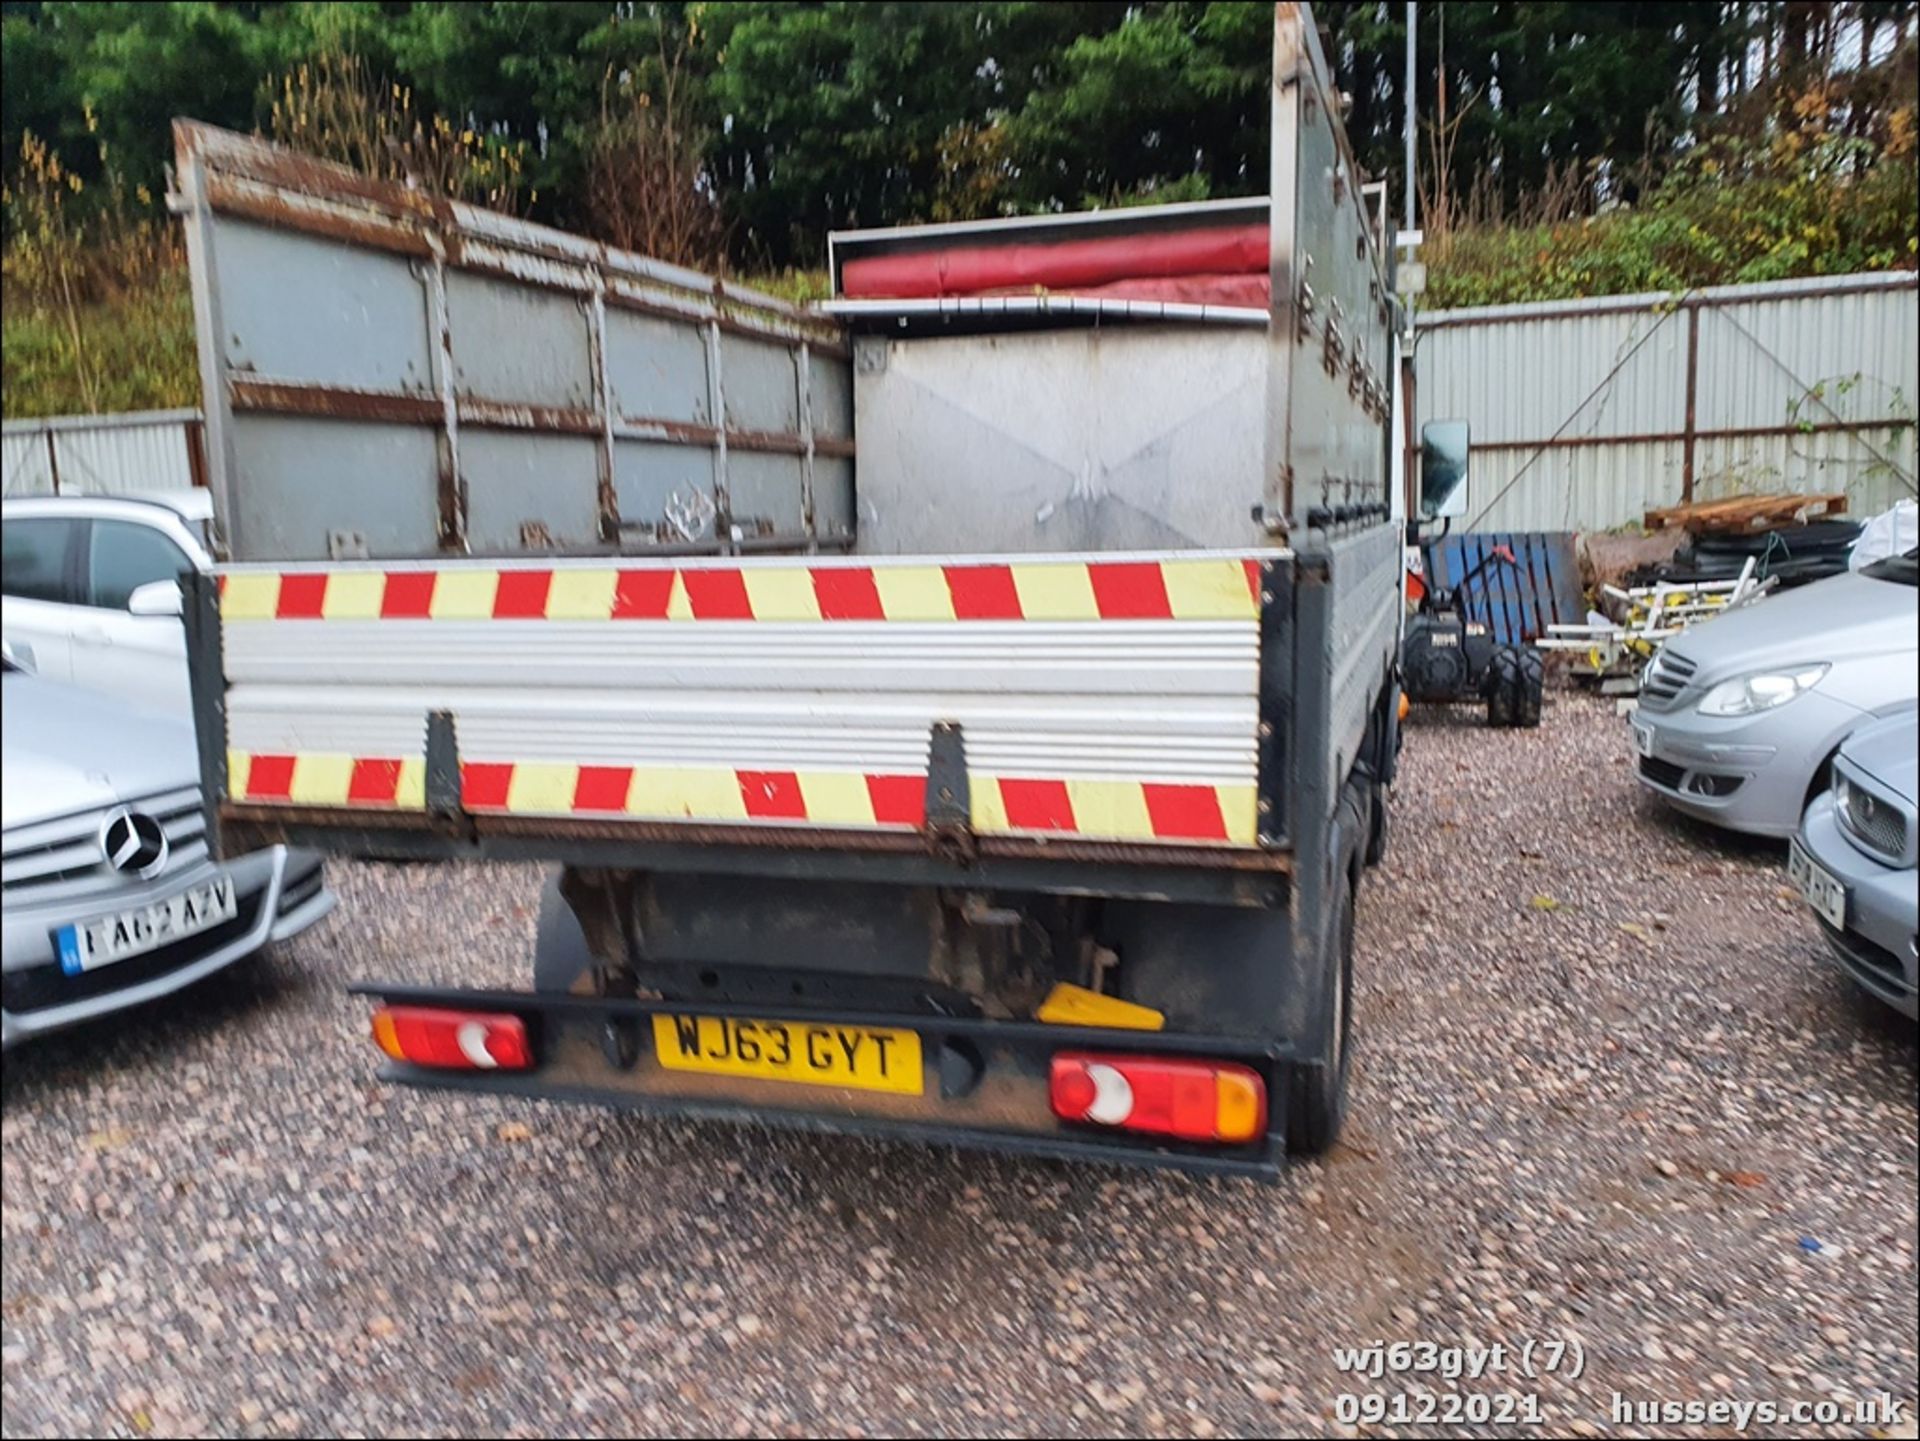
(863, 1057)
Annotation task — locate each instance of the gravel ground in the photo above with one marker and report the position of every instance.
(1606, 1086)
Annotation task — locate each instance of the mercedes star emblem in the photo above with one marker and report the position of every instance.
(133, 842)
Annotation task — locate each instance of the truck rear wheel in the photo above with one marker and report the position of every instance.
(1317, 1095)
(1376, 850)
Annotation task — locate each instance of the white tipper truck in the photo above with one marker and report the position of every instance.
(957, 716)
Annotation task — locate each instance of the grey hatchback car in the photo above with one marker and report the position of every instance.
(1857, 863)
(110, 897)
(1740, 716)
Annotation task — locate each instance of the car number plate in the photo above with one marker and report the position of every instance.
(1642, 738)
(866, 1058)
(85, 945)
(1824, 890)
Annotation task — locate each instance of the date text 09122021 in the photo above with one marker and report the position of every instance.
(1439, 1408)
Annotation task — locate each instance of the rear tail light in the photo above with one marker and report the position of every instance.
(453, 1040)
(1193, 1100)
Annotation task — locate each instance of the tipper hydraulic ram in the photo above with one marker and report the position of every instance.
(1011, 791)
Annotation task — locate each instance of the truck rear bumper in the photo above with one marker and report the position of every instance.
(985, 1082)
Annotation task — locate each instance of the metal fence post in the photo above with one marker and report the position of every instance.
(1693, 385)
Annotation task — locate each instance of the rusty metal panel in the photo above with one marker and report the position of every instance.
(764, 495)
(537, 379)
(761, 392)
(665, 489)
(830, 388)
(309, 479)
(354, 318)
(657, 368)
(833, 498)
(513, 344)
(528, 492)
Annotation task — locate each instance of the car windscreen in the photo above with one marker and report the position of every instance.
(1902, 569)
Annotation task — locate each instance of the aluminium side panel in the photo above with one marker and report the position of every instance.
(1127, 437)
(1364, 638)
(1111, 699)
(1330, 376)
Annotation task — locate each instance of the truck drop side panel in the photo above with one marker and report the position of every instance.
(1114, 701)
(386, 374)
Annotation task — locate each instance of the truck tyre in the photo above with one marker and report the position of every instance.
(1317, 1095)
(1376, 850)
(1502, 687)
(1531, 680)
(561, 960)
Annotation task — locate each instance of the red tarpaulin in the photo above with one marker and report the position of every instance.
(1215, 265)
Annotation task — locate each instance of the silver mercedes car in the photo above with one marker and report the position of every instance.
(1857, 860)
(1740, 716)
(110, 897)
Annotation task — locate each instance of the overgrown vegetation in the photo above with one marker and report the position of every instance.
(94, 287)
(1569, 149)
(1802, 196)
(337, 108)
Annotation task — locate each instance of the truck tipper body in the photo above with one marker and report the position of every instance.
(957, 711)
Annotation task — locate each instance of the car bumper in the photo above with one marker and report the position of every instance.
(1877, 947)
(1747, 773)
(279, 893)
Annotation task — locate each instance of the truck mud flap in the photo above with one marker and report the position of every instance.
(983, 1084)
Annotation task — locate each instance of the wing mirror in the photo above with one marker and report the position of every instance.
(1443, 469)
(156, 597)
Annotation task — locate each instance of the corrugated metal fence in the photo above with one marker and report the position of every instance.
(1586, 414)
(102, 454)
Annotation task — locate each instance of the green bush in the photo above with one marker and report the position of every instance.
(138, 349)
(1808, 202)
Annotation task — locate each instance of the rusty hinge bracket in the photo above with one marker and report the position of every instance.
(949, 802)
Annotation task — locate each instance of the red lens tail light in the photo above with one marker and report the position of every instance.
(453, 1040)
(1194, 1100)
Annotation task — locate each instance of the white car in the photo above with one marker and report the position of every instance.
(89, 588)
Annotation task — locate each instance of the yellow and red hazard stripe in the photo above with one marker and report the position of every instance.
(1095, 809)
(1203, 588)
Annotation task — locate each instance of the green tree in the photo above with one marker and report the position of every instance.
(1173, 93)
(524, 70)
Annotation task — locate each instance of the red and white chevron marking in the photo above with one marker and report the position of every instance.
(1096, 809)
(1203, 588)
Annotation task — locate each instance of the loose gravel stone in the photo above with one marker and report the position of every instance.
(216, 1220)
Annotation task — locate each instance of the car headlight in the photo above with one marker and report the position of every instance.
(1751, 694)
